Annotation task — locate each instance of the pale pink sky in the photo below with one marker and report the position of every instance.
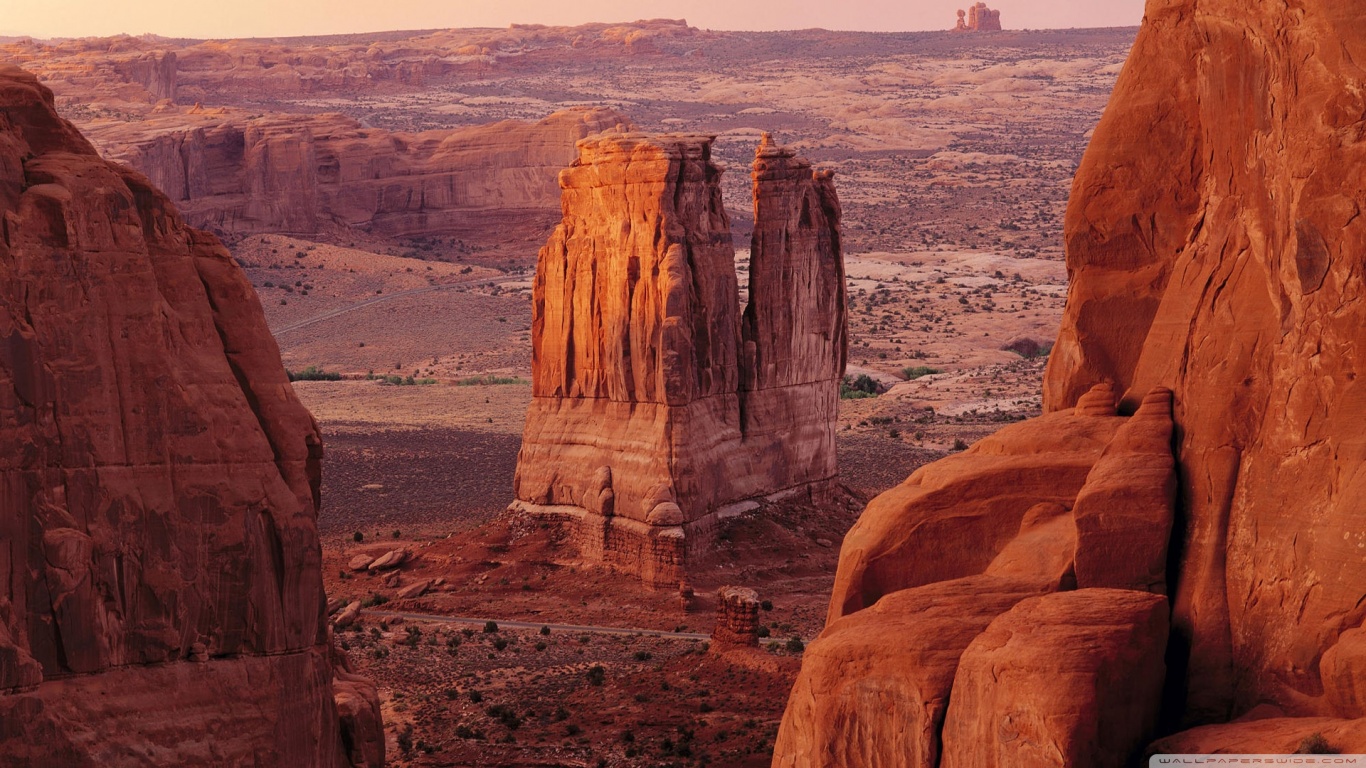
(256, 18)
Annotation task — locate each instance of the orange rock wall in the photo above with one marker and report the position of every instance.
(159, 557)
(1215, 247)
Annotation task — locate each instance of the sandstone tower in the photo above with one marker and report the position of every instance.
(659, 406)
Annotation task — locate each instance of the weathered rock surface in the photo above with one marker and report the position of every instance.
(161, 577)
(230, 171)
(1073, 678)
(1214, 246)
(737, 617)
(874, 687)
(656, 404)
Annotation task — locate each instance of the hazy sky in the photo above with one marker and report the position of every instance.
(257, 18)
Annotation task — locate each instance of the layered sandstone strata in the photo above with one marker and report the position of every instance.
(161, 600)
(737, 617)
(1215, 246)
(657, 403)
(239, 173)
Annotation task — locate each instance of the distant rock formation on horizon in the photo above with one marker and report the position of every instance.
(978, 18)
(1079, 584)
(657, 404)
(161, 593)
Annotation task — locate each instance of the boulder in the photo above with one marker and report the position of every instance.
(416, 589)
(874, 687)
(737, 617)
(360, 562)
(391, 559)
(1072, 679)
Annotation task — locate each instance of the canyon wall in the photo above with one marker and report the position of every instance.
(161, 600)
(657, 402)
(232, 172)
(1214, 245)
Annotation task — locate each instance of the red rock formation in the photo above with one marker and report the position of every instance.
(737, 617)
(655, 405)
(1073, 679)
(160, 574)
(1215, 254)
(978, 18)
(236, 173)
(1214, 248)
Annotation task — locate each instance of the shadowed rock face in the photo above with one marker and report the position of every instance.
(1215, 246)
(657, 403)
(159, 558)
(234, 173)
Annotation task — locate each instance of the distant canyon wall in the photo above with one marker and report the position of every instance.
(657, 401)
(298, 174)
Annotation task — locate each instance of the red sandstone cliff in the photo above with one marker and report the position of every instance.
(1215, 246)
(235, 173)
(160, 595)
(655, 402)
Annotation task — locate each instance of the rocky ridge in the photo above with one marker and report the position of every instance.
(657, 403)
(162, 565)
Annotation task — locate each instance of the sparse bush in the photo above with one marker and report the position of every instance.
(795, 644)
(1315, 744)
(858, 387)
(766, 605)
(644, 655)
(545, 630)
(476, 696)
(500, 643)
(959, 444)
(358, 537)
(374, 599)
(596, 675)
(313, 373)
(505, 715)
(490, 627)
(917, 371)
(485, 381)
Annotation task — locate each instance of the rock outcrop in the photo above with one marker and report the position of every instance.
(1214, 246)
(737, 617)
(233, 172)
(161, 598)
(978, 18)
(658, 404)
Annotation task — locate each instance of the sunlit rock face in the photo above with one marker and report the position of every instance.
(658, 402)
(1202, 440)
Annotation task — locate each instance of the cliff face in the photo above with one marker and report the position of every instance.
(234, 173)
(1214, 246)
(655, 402)
(1234, 255)
(161, 599)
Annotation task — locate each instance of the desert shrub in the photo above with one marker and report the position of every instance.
(763, 631)
(485, 381)
(959, 444)
(358, 537)
(795, 644)
(476, 696)
(916, 371)
(500, 643)
(766, 605)
(545, 630)
(1315, 744)
(858, 387)
(374, 599)
(505, 715)
(644, 656)
(490, 627)
(596, 675)
(313, 373)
